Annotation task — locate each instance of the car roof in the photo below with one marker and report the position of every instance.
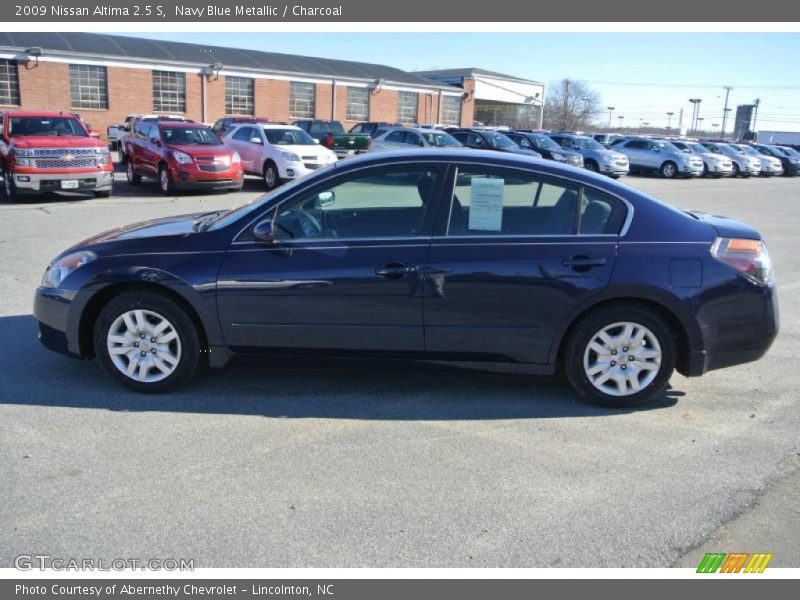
(181, 124)
(39, 113)
(272, 126)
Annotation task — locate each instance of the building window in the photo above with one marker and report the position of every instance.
(239, 96)
(9, 83)
(88, 86)
(451, 110)
(169, 91)
(302, 100)
(407, 107)
(357, 104)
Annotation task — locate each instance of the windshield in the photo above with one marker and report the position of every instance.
(189, 136)
(439, 139)
(699, 148)
(324, 127)
(544, 142)
(288, 137)
(587, 143)
(668, 147)
(749, 150)
(789, 151)
(725, 149)
(498, 140)
(45, 126)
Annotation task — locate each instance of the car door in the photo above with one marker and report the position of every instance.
(148, 158)
(635, 152)
(345, 272)
(506, 267)
(248, 150)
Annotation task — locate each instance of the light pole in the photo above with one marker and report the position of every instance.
(714, 127)
(642, 124)
(699, 124)
(725, 110)
(620, 117)
(610, 110)
(669, 120)
(756, 102)
(695, 111)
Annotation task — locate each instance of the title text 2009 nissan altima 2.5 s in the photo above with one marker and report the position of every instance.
(452, 255)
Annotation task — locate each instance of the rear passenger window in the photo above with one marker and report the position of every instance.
(502, 202)
(600, 213)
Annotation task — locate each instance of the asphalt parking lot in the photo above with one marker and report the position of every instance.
(318, 465)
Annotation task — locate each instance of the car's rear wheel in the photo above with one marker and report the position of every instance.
(620, 356)
(271, 179)
(165, 183)
(669, 170)
(147, 342)
(133, 177)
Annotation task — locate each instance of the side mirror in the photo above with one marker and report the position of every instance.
(656, 149)
(94, 134)
(264, 231)
(156, 141)
(325, 199)
(256, 140)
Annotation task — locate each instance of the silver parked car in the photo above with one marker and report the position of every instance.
(413, 138)
(743, 164)
(769, 164)
(714, 165)
(659, 156)
(596, 157)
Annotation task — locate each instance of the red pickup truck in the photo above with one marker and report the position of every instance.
(51, 151)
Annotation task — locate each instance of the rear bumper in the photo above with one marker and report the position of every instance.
(739, 330)
(37, 183)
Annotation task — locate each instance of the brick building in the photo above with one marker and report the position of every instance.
(106, 77)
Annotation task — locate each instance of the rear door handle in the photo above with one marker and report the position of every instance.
(394, 270)
(584, 262)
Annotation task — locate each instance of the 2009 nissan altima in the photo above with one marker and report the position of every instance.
(453, 255)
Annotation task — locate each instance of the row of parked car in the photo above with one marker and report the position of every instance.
(46, 151)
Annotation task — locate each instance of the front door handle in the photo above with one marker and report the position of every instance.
(394, 271)
(583, 263)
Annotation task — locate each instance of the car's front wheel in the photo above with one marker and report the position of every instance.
(133, 177)
(590, 165)
(620, 356)
(669, 169)
(271, 177)
(165, 183)
(147, 342)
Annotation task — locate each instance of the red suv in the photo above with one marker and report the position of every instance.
(182, 156)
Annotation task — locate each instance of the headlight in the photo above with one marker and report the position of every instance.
(558, 156)
(181, 157)
(22, 162)
(290, 157)
(22, 152)
(235, 158)
(65, 265)
(608, 158)
(103, 156)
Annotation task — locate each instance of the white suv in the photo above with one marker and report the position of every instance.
(277, 152)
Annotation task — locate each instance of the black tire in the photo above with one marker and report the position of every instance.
(133, 177)
(706, 172)
(122, 158)
(590, 165)
(584, 333)
(102, 193)
(9, 189)
(185, 328)
(736, 171)
(271, 176)
(165, 183)
(669, 170)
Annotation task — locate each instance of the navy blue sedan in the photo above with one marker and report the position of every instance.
(453, 255)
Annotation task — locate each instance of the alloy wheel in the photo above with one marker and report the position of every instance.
(163, 178)
(144, 346)
(622, 358)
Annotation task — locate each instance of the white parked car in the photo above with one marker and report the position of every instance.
(743, 164)
(277, 152)
(409, 138)
(714, 165)
(769, 164)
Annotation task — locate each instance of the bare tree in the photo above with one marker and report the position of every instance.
(571, 105)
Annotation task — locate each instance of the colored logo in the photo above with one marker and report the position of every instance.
(736, 562)
(67, 157)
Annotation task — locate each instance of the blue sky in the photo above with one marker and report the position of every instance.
(643, 75)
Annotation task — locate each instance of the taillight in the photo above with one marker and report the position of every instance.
(329, 141)
(749, 257)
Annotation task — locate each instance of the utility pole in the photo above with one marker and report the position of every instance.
(756, 102)
(610, 110)
(725, 110)
(669, 120)
(695, 112)
(620, 117)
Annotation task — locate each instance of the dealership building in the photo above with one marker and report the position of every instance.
(106, 77)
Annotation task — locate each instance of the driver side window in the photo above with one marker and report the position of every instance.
(380, 203)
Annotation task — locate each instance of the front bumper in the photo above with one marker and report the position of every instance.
(39, 183)
(189, 177)
(51, 308)
(720, 170)
(294, 170)
(615, 168)
(691, 170)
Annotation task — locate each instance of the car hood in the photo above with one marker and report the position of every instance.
(55, 141)
(179, 225)
(726, 227)
(305, 149)
(201, 150)
(715, 156)
(611, 154)
(524, 151)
